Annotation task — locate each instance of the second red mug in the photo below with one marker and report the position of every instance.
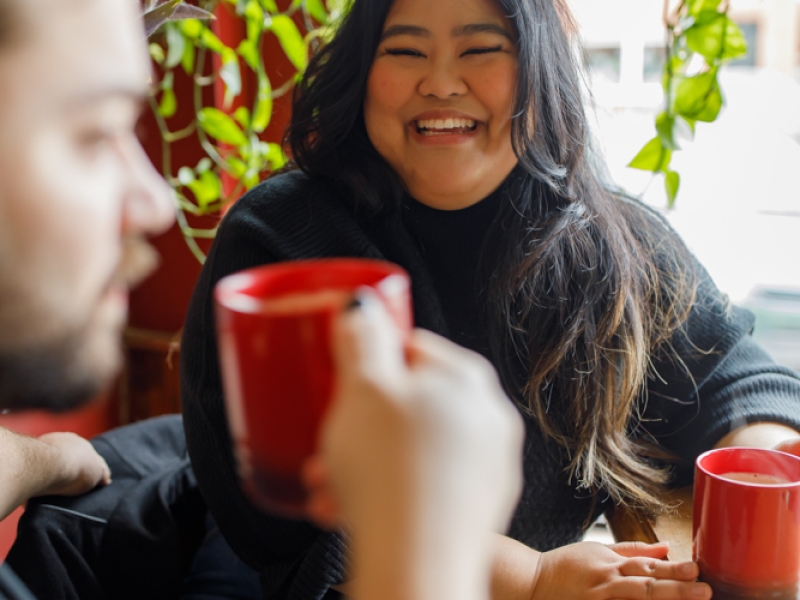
(746, 526)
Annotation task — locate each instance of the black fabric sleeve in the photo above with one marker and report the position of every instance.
(294, 558)
(11, 588)
(713, 379)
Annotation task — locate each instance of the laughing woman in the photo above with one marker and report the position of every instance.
(449, 136)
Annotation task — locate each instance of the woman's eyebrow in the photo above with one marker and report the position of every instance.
(414, 30)
(474, 28)
(461, 31)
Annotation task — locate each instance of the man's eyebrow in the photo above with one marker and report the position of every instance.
(413, 30)
(135, 93)
(474, 28)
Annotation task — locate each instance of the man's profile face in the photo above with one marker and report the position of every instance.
(76, 195)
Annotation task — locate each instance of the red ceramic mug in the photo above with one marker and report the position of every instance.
(274, 338)
(746, 527)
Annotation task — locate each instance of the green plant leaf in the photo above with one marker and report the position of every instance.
(706, 38)
(692, 93)
(672, 183)
(209, 39)
(735, 43)
(716, 37)
(220, 126)
(242, 116)
(270, 6)
(176, 44)
(653, 157)
(698, 6)
(192, 28)
(231, 74)
(168, 81)
(712, 107)
(665, 126)
(171, 10)
(206, 189)
(156, 53)
(187, 60)
(274, 156)
(237, 166)
(168, 105)
(338, 8)
(249, 52)
(317, 10)
(156, 17)
(254, 15)
(291, 41)
(263, 112)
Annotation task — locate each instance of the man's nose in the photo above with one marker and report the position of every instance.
(149, 208)
(443, 80)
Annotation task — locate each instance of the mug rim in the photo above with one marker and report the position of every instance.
(228, 290)
(766, 486)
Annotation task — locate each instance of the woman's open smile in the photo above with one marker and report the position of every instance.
(441, 127)
(440, 98)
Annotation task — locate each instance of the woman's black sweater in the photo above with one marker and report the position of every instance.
(292, 217)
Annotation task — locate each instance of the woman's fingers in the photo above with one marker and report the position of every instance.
(649, 588)
(659, 569)
(634, 549)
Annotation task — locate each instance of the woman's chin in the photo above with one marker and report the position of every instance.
(453, 189)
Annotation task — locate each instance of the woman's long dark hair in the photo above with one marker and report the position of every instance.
(583, 284)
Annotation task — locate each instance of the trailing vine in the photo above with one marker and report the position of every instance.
(701, 37)
(231, 139)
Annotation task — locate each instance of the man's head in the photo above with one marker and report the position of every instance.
(77, 194)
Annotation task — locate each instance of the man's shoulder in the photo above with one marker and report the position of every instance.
(11, 588)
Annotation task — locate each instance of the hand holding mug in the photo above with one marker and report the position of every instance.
(420, 458)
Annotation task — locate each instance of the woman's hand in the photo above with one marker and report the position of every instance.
(628, 571)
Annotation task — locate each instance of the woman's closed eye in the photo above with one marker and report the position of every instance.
(403, 52)
(482, 50)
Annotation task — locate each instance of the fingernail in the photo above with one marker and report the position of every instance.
(687, 569)
(363, 299)
(700, 590)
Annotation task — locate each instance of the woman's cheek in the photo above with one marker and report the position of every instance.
(388, 89)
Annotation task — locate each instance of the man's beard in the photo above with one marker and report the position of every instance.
(62, 373)
(55, 377)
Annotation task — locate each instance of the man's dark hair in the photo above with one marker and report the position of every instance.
(581, 285)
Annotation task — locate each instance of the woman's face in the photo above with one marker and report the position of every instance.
(440, 98)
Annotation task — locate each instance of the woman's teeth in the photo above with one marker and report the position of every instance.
(445, 126)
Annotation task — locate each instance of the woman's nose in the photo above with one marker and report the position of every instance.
(149, 208)
(443, 80)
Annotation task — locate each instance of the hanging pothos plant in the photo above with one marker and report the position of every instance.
(231, 139)
(701, 37)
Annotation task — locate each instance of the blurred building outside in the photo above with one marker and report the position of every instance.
(739, 202)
